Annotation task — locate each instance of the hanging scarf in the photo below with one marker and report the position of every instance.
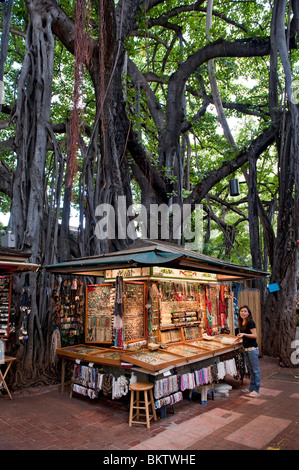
(209, 309)
(118, 312)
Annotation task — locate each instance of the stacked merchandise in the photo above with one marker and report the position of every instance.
(184, 317)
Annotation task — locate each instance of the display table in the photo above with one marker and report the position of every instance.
(150, 363)
(8, 360)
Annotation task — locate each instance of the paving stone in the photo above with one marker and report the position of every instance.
(44, 419)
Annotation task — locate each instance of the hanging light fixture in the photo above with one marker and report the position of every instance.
(234, 189)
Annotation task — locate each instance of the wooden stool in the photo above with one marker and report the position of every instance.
(136, 404)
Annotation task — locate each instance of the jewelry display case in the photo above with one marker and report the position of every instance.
(108, 356)
(215, 345)
(152, 360)
(99, 313)
(188, 351)
(80, 351)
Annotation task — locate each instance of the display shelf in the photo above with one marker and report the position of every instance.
(99, 313)
(68, 301)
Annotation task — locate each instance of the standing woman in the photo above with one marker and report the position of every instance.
(247, 331)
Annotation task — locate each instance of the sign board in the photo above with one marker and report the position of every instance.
(273, 287)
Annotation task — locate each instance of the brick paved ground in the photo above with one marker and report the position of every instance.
(43, 419)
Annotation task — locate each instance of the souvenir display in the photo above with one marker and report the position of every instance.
(227, 339)
(5, 305)
(152, 313)
(69, 310)
(110, 357)
(191, 332)
(186, 350)
(171, 335)
(135, 345)
(80, 351)
(118, 325)
(212, 309)
(152, 326)
(152, 360)
(90, 381)
(222, 306)
(166, 386)
(169, 400)
(178, 303)
(129, 311)
(209, 375)
(134, 311)
(210, 345)
(178, 313)
(207, 345)
(100, 313)
(25, 309)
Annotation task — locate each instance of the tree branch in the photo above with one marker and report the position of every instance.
(257, 147)
(239, 48)
(6, 176)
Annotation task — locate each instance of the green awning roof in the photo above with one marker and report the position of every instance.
(151, 258)
(154, 253)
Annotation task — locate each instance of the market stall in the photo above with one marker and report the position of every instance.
(160, 313)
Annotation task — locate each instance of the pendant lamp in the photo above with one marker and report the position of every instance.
(234, 189)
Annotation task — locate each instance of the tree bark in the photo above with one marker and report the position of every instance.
(279, 326)
(27, 211)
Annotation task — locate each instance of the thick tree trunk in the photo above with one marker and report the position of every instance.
(27, 210)
(113, 175)
(279, 317)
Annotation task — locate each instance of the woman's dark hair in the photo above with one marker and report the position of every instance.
(240, 320)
